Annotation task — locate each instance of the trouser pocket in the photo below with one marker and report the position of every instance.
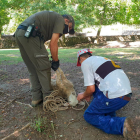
(43, 62)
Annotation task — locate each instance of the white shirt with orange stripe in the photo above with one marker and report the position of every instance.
(107, 75)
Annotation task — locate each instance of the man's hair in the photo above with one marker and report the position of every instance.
(86, 55)
(70, 18)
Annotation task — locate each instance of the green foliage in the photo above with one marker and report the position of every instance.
(133, 13)
(4, 19)
(121, 14)
(86, 13)
(103, 11)
(129, 12)
(40, 124)
(23, 9)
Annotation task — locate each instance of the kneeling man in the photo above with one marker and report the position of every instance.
(111, 89)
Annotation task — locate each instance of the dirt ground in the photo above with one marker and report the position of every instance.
(62, 125)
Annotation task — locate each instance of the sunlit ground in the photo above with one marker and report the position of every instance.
(115, 29)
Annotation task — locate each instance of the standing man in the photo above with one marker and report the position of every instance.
(110, 87)
(30, 36)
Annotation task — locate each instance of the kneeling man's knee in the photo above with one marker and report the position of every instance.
(86, 116)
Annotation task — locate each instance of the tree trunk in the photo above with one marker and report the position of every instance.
(101, 23)
(98, 35)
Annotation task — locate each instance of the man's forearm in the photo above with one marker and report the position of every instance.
(54, 46)
(54, 52)
(87, 94)
(89, 91)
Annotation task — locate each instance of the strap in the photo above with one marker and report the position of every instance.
(126, 97)
(22, 27)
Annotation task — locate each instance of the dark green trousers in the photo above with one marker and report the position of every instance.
(37, 61)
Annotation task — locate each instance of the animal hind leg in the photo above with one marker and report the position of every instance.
(63, 77)
(58, 77)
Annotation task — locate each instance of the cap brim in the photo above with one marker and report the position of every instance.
(78, 63)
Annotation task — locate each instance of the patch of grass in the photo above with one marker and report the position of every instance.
(40, 124)
(70, 55)
(116, 53)
(10, 56)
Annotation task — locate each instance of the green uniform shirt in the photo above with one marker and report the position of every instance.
(48, 22)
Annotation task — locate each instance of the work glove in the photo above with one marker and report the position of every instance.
(55, 65)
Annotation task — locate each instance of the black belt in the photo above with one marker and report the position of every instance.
(22, 27)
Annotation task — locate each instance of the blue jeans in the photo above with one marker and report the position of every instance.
(101, 113)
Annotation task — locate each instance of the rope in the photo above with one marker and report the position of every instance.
(54, 103)
(81, 103)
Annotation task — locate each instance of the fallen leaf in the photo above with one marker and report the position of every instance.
(2, 111)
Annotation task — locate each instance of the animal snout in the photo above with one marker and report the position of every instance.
(73, 100)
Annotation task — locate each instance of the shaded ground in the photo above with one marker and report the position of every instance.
(68, 124)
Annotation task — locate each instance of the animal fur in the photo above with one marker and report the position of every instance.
(65, 87)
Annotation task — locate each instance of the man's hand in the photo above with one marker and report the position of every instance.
(55, 65)
(88, 98)
(80, 96)
(87, 94)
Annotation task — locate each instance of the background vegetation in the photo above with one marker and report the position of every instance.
(86, 13)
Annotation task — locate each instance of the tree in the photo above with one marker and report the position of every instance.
(23, 9)
(86, 13)
(104, 12)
